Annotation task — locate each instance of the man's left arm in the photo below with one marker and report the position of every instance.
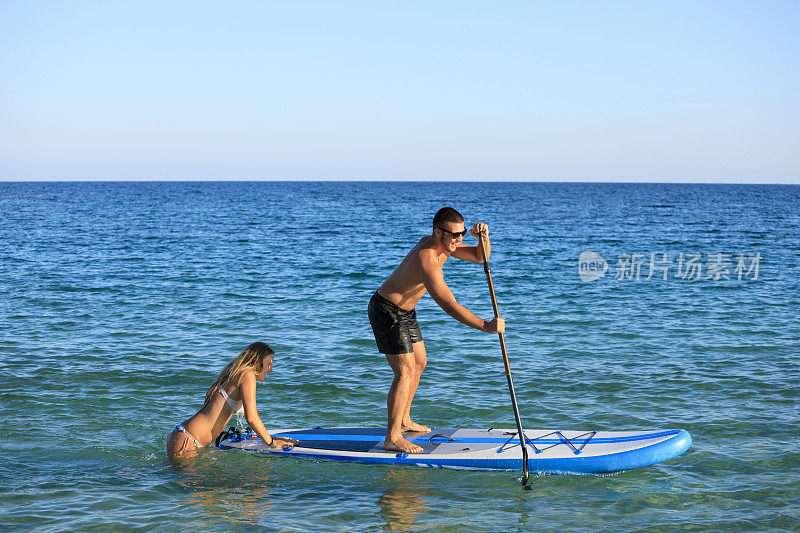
(474, 254)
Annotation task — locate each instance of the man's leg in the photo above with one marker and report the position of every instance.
(405, 373)
(420, 360)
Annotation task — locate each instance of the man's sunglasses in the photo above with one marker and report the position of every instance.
(455, 234)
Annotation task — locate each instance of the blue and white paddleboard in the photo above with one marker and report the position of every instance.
(549, 451)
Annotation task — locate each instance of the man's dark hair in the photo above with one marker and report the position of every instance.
(445, 215)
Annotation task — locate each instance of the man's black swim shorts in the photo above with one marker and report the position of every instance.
(395, 329)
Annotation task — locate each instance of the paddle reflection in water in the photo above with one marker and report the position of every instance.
(403, 500)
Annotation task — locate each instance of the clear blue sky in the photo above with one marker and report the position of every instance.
(588, 91)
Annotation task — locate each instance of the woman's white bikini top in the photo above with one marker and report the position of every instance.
(238, 407)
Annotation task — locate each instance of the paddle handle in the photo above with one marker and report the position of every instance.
(488, 270)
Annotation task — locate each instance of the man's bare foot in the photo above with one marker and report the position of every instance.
(413, 426)
(401, 445)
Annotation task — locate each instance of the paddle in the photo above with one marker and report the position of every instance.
(488, 270)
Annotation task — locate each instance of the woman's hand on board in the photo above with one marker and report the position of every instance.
(282, 442)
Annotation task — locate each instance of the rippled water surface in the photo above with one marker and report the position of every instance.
(120, 302)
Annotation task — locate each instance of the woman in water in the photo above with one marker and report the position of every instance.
(234, 392)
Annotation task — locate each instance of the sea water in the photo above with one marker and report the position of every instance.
(628, 306)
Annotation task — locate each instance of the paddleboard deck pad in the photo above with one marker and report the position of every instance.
(549, 451)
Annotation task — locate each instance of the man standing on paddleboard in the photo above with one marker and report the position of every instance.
(394, 320)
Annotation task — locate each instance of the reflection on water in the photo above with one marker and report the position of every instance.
(226, 491)
(403, 500)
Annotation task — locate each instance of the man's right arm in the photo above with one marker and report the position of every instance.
(443, 296)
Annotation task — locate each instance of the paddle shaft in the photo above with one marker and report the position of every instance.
(488, 270)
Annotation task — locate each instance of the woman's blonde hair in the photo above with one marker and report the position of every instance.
(251, 358)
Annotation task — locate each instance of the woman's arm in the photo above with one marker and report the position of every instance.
(248, 389)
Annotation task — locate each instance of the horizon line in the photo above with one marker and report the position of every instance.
(390, 180)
